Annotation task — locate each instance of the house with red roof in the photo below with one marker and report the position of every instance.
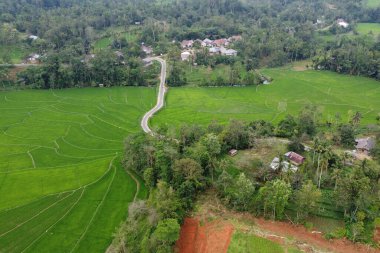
(295, 158)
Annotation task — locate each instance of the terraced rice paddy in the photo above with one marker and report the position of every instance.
(288, 94)
(62, 186)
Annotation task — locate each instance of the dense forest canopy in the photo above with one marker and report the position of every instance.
(275, 32)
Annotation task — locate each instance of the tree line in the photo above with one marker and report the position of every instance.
(275, 33)
(106, 69)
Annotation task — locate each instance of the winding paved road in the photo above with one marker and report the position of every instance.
(160, 97)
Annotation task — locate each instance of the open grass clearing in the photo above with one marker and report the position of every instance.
(131, 35)
(373, 3)
(62, 184)
(244, 242)
(369, 28)
(288, 94)
(16, 53)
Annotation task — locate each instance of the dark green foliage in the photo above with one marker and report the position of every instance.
(273, 198)
(176, 76)
(306, 125)
(166, 234)
(235, 135)
(354, 194)
(262, 128)
(376, 151)
(287, 127)
(296, 145)
(106, 68)
(306, 199)
(351, 56)
(347, 136)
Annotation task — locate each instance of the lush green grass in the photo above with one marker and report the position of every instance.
(373, 3)
(130, 36)
(62, 186)
(197, 75)
(242, 243)
(366, 28)
(17, 53)
(289, 93)
(102, 43)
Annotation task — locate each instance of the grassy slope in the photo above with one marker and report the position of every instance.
(242, 243)
(373, 3)
(366, 28)
(131, 36)
(16, 52)
(290, 91)
(59, 187)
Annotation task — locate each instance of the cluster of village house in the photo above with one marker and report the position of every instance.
(340, 22)
(215, 47)
(291, 160)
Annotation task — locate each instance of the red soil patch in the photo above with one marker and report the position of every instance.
(316, 239)
(213, 237)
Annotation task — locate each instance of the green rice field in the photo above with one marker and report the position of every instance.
(62, 185)
(288, 94)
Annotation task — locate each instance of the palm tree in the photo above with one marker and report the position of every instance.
(356, 118)
(326, 156)
(335, 176)
(323, 149)
(315, 147)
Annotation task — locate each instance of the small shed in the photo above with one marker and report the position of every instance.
(101, 85)
(232, 152)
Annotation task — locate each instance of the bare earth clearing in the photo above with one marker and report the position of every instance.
(198, 239)
(211, 237)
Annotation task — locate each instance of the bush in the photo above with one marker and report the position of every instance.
(337, 234)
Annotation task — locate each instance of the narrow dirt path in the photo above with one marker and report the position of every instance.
(137, 184)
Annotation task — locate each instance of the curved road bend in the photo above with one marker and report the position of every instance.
(160, 97)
